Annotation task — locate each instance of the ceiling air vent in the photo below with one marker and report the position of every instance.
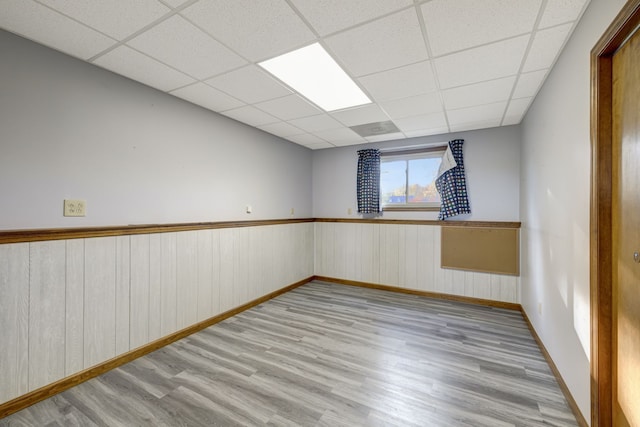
(375, 128)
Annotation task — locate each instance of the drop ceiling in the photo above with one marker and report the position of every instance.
(429, 66)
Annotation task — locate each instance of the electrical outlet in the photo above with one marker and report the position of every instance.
(292, 211)
(74, 207)
(249, 209)
(349, 211)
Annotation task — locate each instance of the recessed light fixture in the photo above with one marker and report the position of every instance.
(313, 73)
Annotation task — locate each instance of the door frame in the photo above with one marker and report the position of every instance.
(601, 268)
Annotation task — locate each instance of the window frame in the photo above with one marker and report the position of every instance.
(408, 154)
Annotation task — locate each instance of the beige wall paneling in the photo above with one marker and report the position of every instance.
(204, 275)
(425, 272)
(270, 254)
(99, 300)
(139, 304)
(187, 278)
(369, 250)
(14, 312)
(155, 286)
(123, 294)
(168, 284)
(215, 272)
(74, 330)
(46, 313)
(390, 254)
(226, 268)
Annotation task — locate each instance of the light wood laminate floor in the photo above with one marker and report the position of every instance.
(329, 355)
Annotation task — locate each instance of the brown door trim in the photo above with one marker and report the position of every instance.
(601, 199)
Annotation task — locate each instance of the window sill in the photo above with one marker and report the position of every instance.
(411, 209)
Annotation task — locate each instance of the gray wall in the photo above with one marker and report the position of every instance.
(492, 163)
(555, 205)
(69, 129)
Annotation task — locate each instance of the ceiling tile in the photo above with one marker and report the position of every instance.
(483, 63)
(306, 139)
(342, 136)
(250, 115)
(561, 11)
(480, 114)
(461, 24)
(422, 122)
(529, 83)
(386, 43)
(289, 107)
(426, 132)
(208, 97)
(282, 129)
(178, 43)
(45, 26)
(256, 29)
(249, 84)
(129, 63)
(329, 16)
(413, 106)
(174, 3)
(316, 123)
(479, 93)
(400, 82)
(116, 18)
(319, 145)
(480, 124)
(516, 111)
(360, 115)
(546, 47)
(386, 137)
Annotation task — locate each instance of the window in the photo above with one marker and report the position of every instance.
(408, 179)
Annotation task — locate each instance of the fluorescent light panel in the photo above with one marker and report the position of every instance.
(313, 73)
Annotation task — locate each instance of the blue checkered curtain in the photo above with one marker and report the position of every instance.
(452, 184)
(368, 185)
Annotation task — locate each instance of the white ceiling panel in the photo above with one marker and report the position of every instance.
(413, 106)
(429, 66)
(258, 30)
(208, 97)
(421, 122)
(339, 137)
(129, 63)
(250, 115)
(307, 139)
(316, 123)
(178, 43)
(493, 61)
(546, 47)
(461, 24)
(249, 84)
(489, 112)
(47, 27)
(116, 18)
(479, 93)
(281, 129)
(516, 110)
(360, 115)
(386, 43)
(386, 137)
(561, 11)
(329, 16)
(289, 107)
(319, 145)
(400, 82)
(529, 83)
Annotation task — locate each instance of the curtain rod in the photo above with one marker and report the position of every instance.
(414, 147)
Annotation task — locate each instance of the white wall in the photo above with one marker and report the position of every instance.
(69, 129)
(404, 256)
(555, 205)
(68, 305)
(492, 163)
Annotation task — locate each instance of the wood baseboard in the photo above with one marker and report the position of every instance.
(468, 300)
(582, 422)
(35, 396)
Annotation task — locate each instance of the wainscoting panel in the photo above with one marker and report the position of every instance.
(402, 255)
(68, 305)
